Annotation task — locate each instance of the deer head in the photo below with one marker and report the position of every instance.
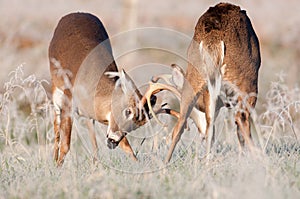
(128, 111)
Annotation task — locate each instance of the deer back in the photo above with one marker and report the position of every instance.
(241, 54)
(80, 53)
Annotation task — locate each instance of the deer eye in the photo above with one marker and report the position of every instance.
(128, 113)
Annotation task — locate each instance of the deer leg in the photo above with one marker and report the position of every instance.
(199, 119)
(242, 117)
(65, 127)
(243, 127)
(92, 133)
(188, 101)
(209, 115)
(177, 132)
(125, 146)
(123, 143)
(57, 102)
(57, 119)
(212, 106)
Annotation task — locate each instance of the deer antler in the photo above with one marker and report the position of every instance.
(156, 88)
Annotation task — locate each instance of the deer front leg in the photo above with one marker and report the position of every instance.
(187, 104)
(177, 132)
(125, 146)
(117, 137)
(242, 120)
(243, 128)
(92, 133)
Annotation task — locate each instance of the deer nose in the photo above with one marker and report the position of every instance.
(113, 138)
(111, 144)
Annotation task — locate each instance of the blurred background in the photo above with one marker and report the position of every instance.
(26, 28)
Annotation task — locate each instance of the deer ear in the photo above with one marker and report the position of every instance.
(177, 76)
(127, 84)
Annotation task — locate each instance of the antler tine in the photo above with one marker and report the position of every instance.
(168, 111)
(153, 89)
(168, 77)
(165, 77)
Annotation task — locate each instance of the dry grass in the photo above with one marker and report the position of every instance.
(27, 170)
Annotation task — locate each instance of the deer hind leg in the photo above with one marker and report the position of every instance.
(200, 121)
(212, 107)
(57, 119)
(62, 124)
(209, 115)
(57, 102)
(66, 128)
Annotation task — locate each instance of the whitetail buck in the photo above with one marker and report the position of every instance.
(224, 60)
(81, 60)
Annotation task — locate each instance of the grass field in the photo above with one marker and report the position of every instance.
(26, 113)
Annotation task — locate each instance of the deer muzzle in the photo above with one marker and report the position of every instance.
(114, 138)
